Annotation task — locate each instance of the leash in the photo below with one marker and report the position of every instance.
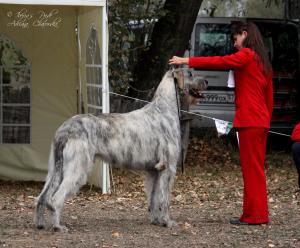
(176, 93)
(178, 113)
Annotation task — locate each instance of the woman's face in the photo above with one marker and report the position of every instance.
(238, 40)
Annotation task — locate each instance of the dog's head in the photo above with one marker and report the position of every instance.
(191, 87)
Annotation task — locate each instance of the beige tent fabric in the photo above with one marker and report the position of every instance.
(53, 54)
(89, 18)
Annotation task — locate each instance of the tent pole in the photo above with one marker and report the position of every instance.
(79, 98)
(105, 93)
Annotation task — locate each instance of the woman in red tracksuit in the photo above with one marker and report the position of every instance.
(254, 105)
(296, 149)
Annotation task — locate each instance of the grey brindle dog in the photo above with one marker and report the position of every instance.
(145, 139)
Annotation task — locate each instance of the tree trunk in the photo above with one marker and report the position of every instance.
(170, 37)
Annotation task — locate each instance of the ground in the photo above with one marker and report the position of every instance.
(204, 198)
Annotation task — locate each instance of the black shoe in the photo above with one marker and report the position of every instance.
(236, 221)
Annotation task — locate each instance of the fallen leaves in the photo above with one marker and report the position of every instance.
(116, 234)
(203, 199)
(179, 198)
(210, 152)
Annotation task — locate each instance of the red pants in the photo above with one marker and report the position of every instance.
(252, 142)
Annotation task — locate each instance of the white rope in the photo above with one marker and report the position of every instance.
(191, 113)
(132, 98)
(283, 134)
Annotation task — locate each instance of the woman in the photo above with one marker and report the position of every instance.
(254, 105)
(295, 137)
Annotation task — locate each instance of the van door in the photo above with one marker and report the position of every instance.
(281, 39)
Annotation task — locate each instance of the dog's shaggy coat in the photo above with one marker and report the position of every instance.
(145, 139)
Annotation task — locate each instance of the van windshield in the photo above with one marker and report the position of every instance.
(212, 39)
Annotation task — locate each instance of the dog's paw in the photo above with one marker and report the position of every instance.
(171, 224)
(167, 223)
(40, 226)
(154, 222)
(60, 228)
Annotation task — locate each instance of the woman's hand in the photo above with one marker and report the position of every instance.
(178, 61)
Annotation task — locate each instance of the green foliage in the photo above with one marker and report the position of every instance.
(130, 25)
(10, 56)
(15, 66)
(276, 2)
(253, 8)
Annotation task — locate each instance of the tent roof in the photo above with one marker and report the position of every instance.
(57, 2)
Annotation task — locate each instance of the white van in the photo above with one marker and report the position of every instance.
(211, 36)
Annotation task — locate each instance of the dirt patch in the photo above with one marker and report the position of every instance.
(204, 198)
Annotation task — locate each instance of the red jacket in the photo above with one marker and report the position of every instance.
(253, 90)
(296, 133)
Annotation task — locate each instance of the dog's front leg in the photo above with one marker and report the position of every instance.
(150, 184)
(166, 179)
(158, 190)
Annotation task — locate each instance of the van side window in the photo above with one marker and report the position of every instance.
(212, 39)
(284, 54)
(282, 43)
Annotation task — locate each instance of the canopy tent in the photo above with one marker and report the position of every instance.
(53, 65)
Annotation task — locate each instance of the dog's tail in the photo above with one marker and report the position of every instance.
(53, 180)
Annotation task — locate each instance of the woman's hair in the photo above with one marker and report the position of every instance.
(254, 41)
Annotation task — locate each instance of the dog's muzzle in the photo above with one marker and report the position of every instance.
(196, 93)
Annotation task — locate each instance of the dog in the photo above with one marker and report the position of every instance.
(145, 139)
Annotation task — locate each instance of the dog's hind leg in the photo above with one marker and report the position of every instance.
(42, 199)
(40, 208)
(69, 186)
(77, 164)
